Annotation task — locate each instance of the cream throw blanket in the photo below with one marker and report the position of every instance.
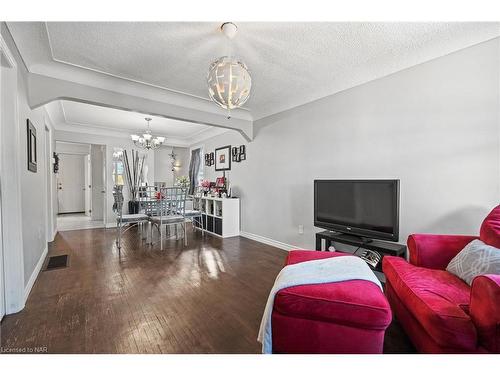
(312, 272)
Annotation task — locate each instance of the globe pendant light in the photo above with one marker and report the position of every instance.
(147, 141)
(229, 81)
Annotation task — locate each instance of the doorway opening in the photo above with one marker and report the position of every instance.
(80, 186)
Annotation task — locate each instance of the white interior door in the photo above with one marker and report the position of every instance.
(2, 287)
(71, 183)
(88, 186)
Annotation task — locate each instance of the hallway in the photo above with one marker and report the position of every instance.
(77, 221)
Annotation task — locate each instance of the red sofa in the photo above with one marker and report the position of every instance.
(439, 311)
(341, 317)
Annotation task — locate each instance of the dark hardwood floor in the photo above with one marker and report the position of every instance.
(206, 298)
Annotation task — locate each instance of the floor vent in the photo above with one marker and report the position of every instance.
(58, 261)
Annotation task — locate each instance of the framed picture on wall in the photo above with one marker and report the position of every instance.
(223, 158)
(31, 146)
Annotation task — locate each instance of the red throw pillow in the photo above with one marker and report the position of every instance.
(490, 229)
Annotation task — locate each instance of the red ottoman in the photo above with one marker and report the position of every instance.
(341, 317)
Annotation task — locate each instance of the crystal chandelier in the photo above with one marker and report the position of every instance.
(229, 81)
(147, 141)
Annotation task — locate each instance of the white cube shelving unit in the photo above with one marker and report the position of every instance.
(221, 216)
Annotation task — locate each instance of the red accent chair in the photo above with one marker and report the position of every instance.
(342, 317)
(440, 312)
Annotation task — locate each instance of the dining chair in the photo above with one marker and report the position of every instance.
(194, 215)
(128, 220)
(170, 212)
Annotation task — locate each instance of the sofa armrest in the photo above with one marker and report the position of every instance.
(485, 310)
(435, 250)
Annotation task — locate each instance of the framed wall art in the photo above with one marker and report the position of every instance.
(31, 146)
(223, 158)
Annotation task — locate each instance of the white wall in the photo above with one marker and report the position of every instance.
(182, 164)
(32, 185)
(98, 181)
(33, 201)
(434, 126)
(163, 165)
(110, 143)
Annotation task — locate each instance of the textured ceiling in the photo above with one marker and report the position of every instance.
(116, 119)
(290, 63)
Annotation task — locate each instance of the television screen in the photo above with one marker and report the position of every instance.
(367, 208)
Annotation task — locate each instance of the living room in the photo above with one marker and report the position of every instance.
(241, 165)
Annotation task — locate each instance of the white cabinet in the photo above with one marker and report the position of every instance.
(221, 216)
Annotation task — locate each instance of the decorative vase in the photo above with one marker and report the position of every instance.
(133, 207)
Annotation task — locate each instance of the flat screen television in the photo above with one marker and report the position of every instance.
(364, 208)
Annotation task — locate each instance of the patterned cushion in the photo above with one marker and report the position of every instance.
(190, 213)
(475, 259)
(169, 219)
(129, 218)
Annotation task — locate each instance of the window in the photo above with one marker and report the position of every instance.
(195, 170)
(118, 167)
(199, 175)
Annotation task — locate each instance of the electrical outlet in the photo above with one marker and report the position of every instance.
(301, 229)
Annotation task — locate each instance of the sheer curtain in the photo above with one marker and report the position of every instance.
(194, 169)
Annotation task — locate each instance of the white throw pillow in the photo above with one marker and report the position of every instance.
(475, 259)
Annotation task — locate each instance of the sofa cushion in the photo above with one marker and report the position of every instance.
(475, 259)
(438, 300)
(490, 229)
(356, 303)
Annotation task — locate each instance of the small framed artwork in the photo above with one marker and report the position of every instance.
(220, 182)
(223, 158)
(31, 146)
(242, 149)
(242, 157)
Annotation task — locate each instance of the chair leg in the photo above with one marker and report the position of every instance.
(117, 233)
(185, 234)
(119, 238)
(161, 238)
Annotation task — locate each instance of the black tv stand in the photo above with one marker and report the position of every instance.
(382, 247)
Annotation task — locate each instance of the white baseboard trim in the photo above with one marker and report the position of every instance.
(268, 241)
(54, 235)
(110, 225)
(34, 275)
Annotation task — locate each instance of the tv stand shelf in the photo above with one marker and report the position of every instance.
(382, 247)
